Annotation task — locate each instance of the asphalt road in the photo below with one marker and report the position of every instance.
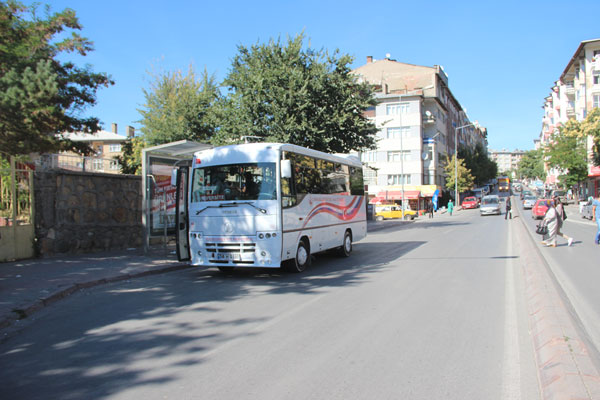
(426, 310)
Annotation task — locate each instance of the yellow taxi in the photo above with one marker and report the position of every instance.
(389, 211)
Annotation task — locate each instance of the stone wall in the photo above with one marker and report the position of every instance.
(79, 212)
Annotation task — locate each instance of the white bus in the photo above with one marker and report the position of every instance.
(262, 204)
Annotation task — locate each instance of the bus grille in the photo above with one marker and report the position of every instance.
(230, 252)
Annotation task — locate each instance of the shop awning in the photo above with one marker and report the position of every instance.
(594, 171)
(397, 194)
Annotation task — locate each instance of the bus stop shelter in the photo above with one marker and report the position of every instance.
(158, 196)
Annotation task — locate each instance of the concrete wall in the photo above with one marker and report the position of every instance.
(79, 212)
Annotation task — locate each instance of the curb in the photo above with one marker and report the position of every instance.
(63, 293)
(564, 366)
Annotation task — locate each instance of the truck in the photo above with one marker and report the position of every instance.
(503, 184)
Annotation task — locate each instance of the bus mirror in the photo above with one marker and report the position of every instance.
(174, 177)
(286, 169)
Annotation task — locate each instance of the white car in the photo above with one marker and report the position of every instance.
(529, 202)
(490, 205)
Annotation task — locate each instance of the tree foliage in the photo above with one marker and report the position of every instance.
(131, 155)
(531, 165)
(41, 96)
(477, 161)
(567, 153)
(591, 127)
(465, 179)
(179, 106)
(284, 93)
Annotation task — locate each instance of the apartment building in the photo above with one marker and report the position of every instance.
(574, 95)
(106, 145)
(418, 119)
(507, 161)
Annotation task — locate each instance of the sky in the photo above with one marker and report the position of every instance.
(502, 58)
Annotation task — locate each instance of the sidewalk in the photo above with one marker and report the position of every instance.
(27, 286)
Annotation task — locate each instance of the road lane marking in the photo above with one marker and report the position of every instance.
(511, 369)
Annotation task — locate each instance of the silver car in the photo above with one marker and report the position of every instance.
(490, 205)
(529, 202)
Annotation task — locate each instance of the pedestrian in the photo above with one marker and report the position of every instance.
(560, 210)
(508, 208)
(596, 214)
(450, 207)
(430, 209)
(551, 221)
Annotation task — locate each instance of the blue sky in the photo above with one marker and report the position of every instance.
(501, 57)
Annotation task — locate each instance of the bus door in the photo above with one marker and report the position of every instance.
(181, 177)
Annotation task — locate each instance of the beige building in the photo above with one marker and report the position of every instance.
(508, 161)
(418, 119)
(573, 96)
(107, 146)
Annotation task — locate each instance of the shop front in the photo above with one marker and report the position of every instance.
(417, 197)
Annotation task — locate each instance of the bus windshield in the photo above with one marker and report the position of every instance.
(253, 181)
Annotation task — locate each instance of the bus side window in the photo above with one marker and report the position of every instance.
(288, 197)
(356, 181)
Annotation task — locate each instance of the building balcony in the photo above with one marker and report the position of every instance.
(570, 111)
(570, 91)
(428, 119)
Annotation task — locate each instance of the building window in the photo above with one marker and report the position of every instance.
(114, 165)
(397, 179)
(394, 133)
(396, 156)
(115, 148)
(368, 156)
(596, 101)
(596, 77)
(98, 164)
(396, 108)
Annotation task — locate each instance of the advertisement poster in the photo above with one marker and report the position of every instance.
(162, 196)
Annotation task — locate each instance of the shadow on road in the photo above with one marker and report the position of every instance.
(143, 333)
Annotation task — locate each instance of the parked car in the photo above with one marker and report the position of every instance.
(390, 211)
(525, 193)
(478, 194)
(529, 201)
(490, 204)
(586, 210)
(562, 196)
(539, 208)
(470, 202)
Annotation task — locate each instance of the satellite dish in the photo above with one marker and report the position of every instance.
(425, 156)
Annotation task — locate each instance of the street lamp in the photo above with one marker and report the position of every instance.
(475, 124)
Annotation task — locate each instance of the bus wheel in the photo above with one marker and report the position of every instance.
(379, 218)
(227, 270)
(346, 247)
(302, 259)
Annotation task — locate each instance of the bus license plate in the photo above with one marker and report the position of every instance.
(229, 256)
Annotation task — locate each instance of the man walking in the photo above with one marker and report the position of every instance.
(596, 214)
(450, 207)
(508, 208)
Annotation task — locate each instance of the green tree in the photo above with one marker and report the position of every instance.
(41, 96)
(478, 162)
(591, 127)
(284, 93)
(179, 106)
(567, 152)
(531, 165)
(465, 179)
(131, 155)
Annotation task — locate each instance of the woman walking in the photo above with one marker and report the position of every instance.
(560, 210)
(551, 221)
